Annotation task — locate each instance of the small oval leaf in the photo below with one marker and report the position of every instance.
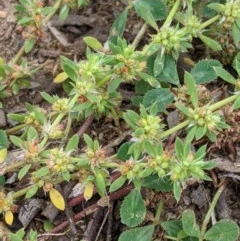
(93, 43)
(60, 78)
(57, 199)
(8, 217)
(3, 154)
(88, 191)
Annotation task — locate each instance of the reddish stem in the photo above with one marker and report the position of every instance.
(77, 200)
(85, 125)
(91, 209)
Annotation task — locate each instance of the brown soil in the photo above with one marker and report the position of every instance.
(96, 21)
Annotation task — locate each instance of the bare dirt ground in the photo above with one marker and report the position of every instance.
(96, 21)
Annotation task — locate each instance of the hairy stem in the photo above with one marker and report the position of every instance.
(172, 13)
(209, 22)
(211, 209)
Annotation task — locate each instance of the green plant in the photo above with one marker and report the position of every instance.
(187, 227)
(50, 154)
(20, 235)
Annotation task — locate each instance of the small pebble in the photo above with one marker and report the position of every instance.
(3, 14)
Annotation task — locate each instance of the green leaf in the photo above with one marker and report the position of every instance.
(25, 20)
(223, 74)
(133, 209)
(162, 97)
(184, 109)
(192, 90)
(236, 34)
(122, 152)
(18, 236)
(119, 24)
(216, 6)
(16, 141)
(2, 180)
(136, 100)
(93, 43)
(151, 49)
(172, 227)
(141, 87)
(72, 143)
(64, 12)
(214, 45)
(138, 234)
(88, 140)
(156, 7)
(159, 184)
(144, 12)
(43, 171)
(33, 235)
(158, 63)
(236, 104)
(66, 176)
(177, 190)
(32, 134)
(236, 63)
(222, 231)
(169, 73)
(31, 192)
(200, 132)
(203, 72)
(189, 224)
(152, 81)
(28, 45)
(201, 152)
(16, 117)
(209, 165)
(113, 85)
(211, 136)
(3, 139)
(69, 67)
(23, 171)
(179, 148)
(118, 183)
(15, 88)
(47, 225)
(47, 97)
(131, 118)
(100, 184)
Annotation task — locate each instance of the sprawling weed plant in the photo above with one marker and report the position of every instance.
(50, 153)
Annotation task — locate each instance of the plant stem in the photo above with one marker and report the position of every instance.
(18, 56)
(58, 119)
(44, 141)
(172, 13)
(50, 15)
(174, 129)
(68, 126)
(187, 122)
(211, 209)
(14, 166)
(140, 35)
(209, 22)
(221, 103)
(22, 192)
(21, 52)
(156, 220)
(15, 128)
